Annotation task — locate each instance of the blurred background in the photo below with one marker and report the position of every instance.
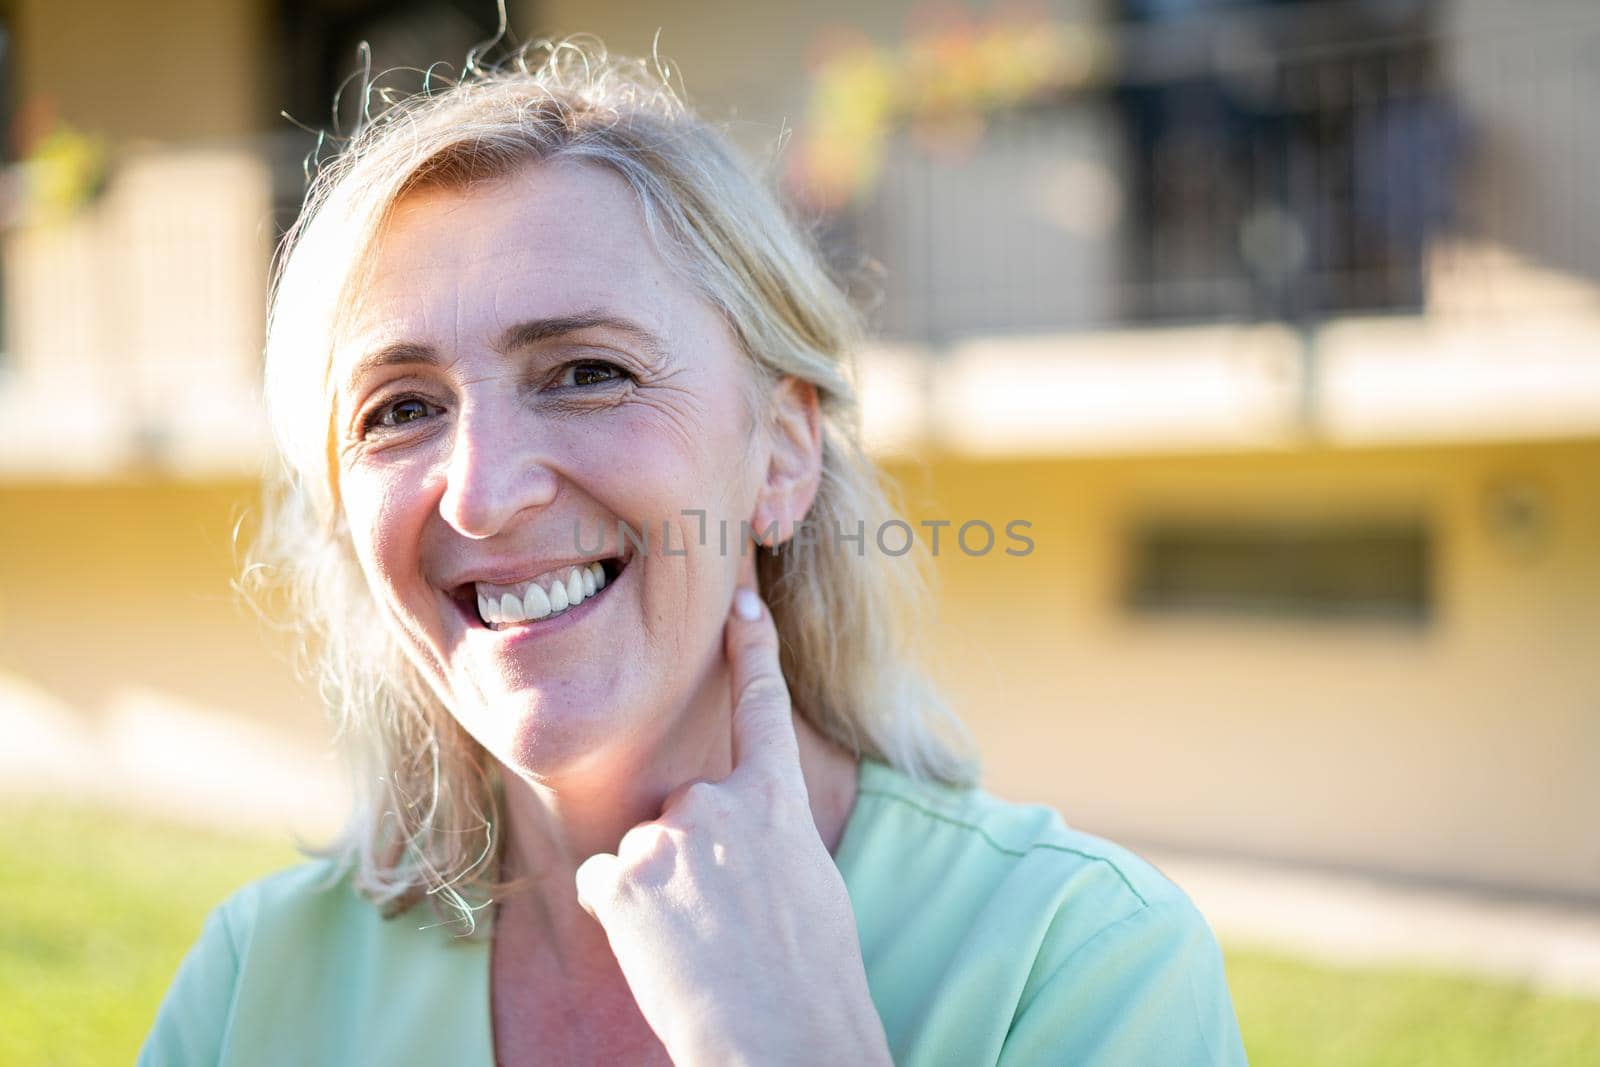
(1279, 322)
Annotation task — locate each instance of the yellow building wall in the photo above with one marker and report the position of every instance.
(1465, 750)
(109, 591)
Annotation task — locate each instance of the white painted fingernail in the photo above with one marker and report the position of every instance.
(747, 604)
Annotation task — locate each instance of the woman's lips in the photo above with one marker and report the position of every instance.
(470, 606)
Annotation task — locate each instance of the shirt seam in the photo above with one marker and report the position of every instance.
(1006, 849)
(1065, 963)
(1167, 907)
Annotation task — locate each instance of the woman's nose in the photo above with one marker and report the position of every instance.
(497, 470)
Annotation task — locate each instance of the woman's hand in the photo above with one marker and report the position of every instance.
(726, 913)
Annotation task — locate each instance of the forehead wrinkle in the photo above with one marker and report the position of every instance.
(487, 377)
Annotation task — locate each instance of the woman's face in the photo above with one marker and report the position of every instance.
(523, 372)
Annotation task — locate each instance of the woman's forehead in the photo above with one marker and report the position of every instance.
(548, 241)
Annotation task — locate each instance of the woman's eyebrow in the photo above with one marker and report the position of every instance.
(394, 354)
(522, 335)
(534, 331)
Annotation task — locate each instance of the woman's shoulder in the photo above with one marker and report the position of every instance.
(312, 883)
(965, 901)
(972, 832)
(315, 904)
(298, 902)
(301, 943)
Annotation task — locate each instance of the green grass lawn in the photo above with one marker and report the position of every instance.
(1312, 1015)
(98, 909)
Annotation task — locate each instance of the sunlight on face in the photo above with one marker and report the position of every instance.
(523, 372)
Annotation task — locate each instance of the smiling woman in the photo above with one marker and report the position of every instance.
(697, 806)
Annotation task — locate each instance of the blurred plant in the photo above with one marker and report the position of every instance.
(62, 169)
(953, 69)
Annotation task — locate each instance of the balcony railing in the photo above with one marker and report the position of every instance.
(1229, 171)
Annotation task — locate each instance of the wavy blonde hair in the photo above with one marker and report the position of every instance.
(427, 795)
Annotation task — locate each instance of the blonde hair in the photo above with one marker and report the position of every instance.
(427, 795)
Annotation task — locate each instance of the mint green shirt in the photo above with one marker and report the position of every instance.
(991, 932)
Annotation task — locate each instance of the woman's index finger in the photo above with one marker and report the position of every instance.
(763, 723)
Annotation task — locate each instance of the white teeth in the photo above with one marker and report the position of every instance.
(536, 604)
(510, 609)
(502, 605)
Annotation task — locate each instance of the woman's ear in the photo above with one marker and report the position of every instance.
(794, 463)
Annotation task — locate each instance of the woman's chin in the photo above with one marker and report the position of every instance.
(557, 738)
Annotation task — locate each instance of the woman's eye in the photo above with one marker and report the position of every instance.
(585, 374)
(395, 414)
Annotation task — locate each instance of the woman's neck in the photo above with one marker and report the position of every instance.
(552, 827)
